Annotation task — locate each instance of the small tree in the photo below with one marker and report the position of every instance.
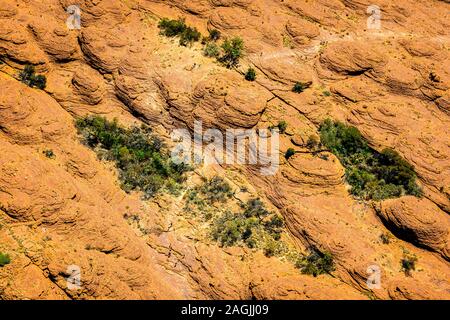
(232, 52)
(250, 75)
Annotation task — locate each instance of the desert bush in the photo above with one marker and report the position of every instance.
(189, 35)
(282, 126)
(300, 87)
(49, 153)
(250, 75)
(231, 228)
(232, 52)
(316, 263)
(214, 35)
(254, 226)
(385, 238)
(216, 190)
(28, 76)
(289, 153)
(211, 50)
(273, 247)
(408, 263)
(140, 157)
(255, 208)
(371, 174)
(173, 28)
(4, 259)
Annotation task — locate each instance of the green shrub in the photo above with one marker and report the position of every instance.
(273, 247)
(300, 87)
(253, 227)
(250, 75)
(231, 228)
(371, 174)
(173, 28)
(49, 153)
(282, 126)
(4, 259)
(140, 157)
(316, 263)
(326, 93)
(255, 208)
(232, 52)
(408, 263)
(211, 50)
(214, 35)
(28, 76)
(289, 153)
(216, 190)
(385, 238)
(189, 35)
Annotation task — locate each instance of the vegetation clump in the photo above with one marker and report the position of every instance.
(300, 87)
(31, 79)
(385, 238)
(49, 153)
(408, 263)
(207, 195)
(216, 190)
(252, 227)
(232, 51)
(250, 75)
(289, 153)
(173, 28)
(282, 126)
(371, 174)
(4, 259)
(214, 35)
(211, 50)
(141, 158)
(316, 263)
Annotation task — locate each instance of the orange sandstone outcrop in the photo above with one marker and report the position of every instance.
(392, 84)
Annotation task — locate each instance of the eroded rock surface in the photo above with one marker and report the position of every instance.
(393, 84)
